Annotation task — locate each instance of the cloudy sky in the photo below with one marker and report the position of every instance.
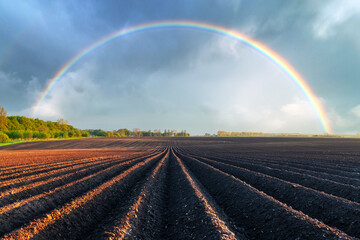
(183, 78)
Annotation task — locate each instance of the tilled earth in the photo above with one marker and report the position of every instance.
(181, 188)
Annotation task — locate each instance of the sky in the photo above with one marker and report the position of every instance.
(183, 78)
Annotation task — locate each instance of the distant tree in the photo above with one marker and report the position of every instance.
(51, 126)
(15, 134)
(123, 132)
(167, 133)
(42, 129)
(64, 124)
(127, 132)
(146, 133)
(137, 132)
(207, 135)
(77, 133)
(101, 133)
(4, 138)
(3, 119)
(27, 134)
(85, 134)
(43, 135)
(183, 133)
(62, 121)
(157, 133)
(97, 132)
(223, 134)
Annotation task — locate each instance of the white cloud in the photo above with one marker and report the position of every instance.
(356, 111)
(298, 108)
(334, 14)
(345, 123)
(225, 85)
(252, 93)
(73, 95)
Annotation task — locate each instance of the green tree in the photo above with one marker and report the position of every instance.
(223, 134)
(27, 134)
(137, 132)
(43, 135)
(85, 134)
(3, 119)
(64, 125)
(157, 133)
(4, 138)
(13, 124)
(77, 133)
(15, 134)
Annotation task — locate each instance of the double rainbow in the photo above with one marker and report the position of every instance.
(259, 47)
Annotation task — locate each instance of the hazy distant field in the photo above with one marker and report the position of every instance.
(181, 188)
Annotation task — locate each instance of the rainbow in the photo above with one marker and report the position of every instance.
(259, 47)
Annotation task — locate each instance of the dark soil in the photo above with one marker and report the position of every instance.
(208, 188)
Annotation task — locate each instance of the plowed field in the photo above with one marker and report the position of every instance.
(181, 188)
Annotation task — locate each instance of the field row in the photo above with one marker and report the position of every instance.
(347, 188)
(172, 193)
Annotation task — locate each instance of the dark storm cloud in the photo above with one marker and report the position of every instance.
(43, 35)
(38, 37)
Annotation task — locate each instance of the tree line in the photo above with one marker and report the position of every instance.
(19, 127)
(238, 134)
(136, 132)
